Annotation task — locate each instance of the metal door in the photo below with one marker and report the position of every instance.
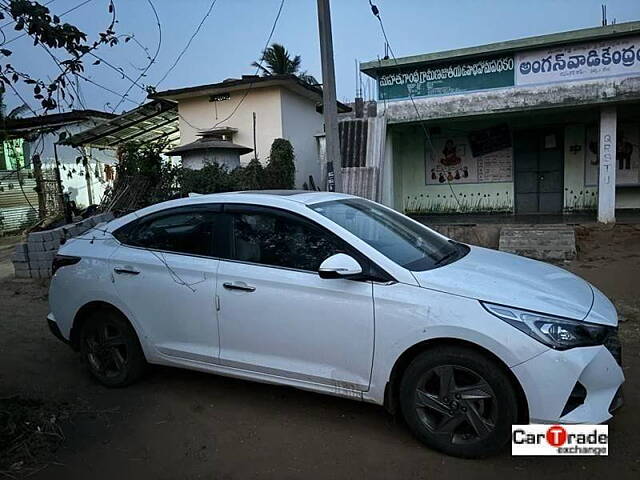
(539, 167)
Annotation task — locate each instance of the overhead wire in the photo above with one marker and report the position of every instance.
(151, 61)
(376, 13)
(258, 68)
(186, 47)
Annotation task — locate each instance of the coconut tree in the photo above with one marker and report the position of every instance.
(276, 60)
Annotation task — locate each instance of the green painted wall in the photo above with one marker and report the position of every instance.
(413, 195)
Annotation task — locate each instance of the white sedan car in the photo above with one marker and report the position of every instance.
(339, 295)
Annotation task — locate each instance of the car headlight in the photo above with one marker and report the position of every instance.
(556, 332)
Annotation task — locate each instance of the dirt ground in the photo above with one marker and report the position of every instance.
(177, 424)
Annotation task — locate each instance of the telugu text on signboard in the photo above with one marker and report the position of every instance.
(579, 62)
(444, 79)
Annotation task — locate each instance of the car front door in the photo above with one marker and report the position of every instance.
(165, 273)
(277, 316)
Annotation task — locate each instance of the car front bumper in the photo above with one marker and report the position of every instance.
(580, 385)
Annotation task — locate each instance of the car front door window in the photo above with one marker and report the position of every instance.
(281, 241)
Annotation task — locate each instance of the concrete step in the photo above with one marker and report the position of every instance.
(542, 242)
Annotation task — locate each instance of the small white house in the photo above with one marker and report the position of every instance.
(251, 112)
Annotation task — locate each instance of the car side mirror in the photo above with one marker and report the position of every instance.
(339, 265)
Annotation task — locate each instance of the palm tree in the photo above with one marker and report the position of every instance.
(276, 60)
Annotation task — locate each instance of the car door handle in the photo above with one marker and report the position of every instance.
(127, 270)
(238, 286)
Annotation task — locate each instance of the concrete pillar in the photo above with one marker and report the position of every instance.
(386, 172)
(607, 177)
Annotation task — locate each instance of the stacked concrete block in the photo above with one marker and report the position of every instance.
(542, 242)
(33, 259)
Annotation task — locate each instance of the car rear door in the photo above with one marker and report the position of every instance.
(165, 272)
(277, 316)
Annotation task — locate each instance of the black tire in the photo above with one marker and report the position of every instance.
(110, 348)
(468, 417)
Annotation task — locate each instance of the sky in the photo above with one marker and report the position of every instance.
(235, 32)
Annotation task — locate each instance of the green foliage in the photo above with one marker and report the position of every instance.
(253, 175)
(212, 178)
(137, 160)
(46, 29)
(141, 159)
(280, 172)
(167, 181)
(276, 60)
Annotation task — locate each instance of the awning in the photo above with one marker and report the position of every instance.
(152, 121)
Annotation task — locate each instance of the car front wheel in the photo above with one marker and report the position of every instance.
(110, 348)
(458, 401)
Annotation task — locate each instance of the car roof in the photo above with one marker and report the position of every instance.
(258, 196)
(274, 198)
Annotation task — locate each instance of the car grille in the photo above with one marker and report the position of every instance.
(612, 343)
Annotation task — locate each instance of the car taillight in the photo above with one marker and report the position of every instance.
(60, 261)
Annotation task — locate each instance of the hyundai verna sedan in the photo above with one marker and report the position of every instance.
(339, 295)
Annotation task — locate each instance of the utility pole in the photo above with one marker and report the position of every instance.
(329, 101)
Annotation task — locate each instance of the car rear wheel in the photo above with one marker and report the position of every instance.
(458, 401)
(109, 346)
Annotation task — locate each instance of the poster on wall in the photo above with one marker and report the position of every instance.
(578, 62)
(450, 160)
(627, 155)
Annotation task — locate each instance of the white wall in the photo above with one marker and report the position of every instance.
(300, 123)
(198, 113)
(279, 114)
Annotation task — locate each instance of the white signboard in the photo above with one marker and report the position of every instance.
(627, 161)
(450, 161)
(579, 62)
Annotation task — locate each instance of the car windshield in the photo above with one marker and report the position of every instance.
(407, 243)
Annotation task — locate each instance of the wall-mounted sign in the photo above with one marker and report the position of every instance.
(444, 79)
(579, 62)
(449, 159)
(627, 160)
(220, 97)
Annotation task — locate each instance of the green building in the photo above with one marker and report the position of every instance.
(547, 124)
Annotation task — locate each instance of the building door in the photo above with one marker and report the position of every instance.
(539, 171)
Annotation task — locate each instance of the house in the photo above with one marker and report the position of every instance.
(84, 171)
(240, 119)
(540, 125)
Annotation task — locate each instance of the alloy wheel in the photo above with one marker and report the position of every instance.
(106, 350)
(457, 403)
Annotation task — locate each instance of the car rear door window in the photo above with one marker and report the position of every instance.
(184, 231)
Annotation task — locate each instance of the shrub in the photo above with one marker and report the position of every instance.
(253, 175)
(212, 178)
(281, 169)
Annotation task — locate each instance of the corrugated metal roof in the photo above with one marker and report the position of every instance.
(152, 121)
(15, 210)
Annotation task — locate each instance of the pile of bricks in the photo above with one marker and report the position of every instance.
(33, 258)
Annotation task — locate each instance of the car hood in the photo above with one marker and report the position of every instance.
(512, 280)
